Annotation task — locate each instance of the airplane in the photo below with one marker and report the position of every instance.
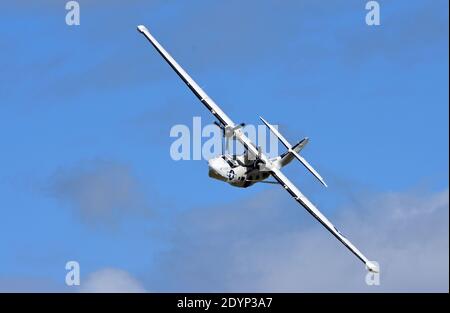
(254, 166)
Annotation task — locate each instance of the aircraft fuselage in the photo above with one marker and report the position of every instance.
(235, 171)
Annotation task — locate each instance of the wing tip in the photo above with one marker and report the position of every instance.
(142, 28)
(372, 267)
(320, 178)
(263, 120)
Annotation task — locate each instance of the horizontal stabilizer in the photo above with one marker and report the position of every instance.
(277, 133)
(291, 150)
(309, 167)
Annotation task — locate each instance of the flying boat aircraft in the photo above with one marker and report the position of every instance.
(254, 166)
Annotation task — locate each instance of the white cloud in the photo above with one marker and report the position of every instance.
(258, 246)
(111, 280)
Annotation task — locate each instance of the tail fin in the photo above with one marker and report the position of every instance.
(291, 150)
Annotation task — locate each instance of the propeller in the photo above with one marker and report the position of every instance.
(228, 133)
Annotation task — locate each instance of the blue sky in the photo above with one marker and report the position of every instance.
(86, 112)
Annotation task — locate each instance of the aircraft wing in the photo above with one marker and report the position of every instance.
(239, 135)
(198, 92)
(311, 208)
(202, 96)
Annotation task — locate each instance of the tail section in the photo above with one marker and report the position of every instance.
(293, 152)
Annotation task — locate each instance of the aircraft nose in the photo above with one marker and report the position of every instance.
(215, 168)
(211, 166)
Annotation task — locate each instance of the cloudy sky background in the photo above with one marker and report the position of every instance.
(86, 174)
